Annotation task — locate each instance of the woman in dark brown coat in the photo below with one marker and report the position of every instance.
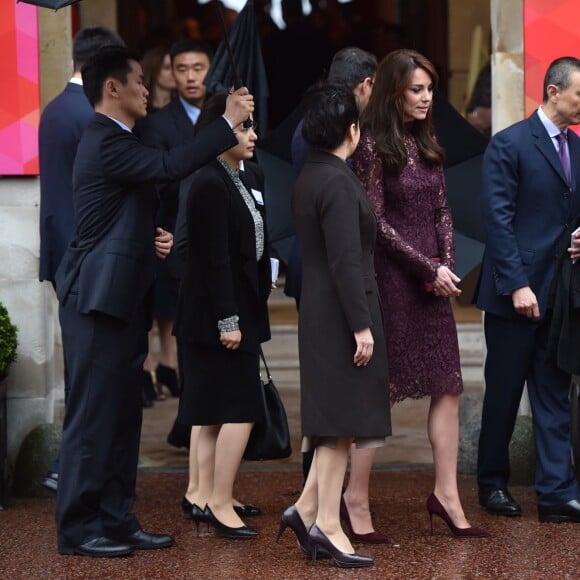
(343, 359)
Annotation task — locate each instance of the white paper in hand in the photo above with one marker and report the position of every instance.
(573, 242)
(274, 265)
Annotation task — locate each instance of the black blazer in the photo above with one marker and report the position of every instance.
(61, 126)
(564, 303)
(110, 262)
(222, 276)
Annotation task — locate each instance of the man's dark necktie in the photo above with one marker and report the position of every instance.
(563, 154)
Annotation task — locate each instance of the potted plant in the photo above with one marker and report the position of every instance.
(8, 342)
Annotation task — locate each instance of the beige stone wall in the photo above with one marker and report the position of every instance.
(504, 19)
(55, 47)
(99, 13)
(507, 77)
(464, 16)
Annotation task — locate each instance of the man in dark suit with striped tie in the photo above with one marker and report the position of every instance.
(531, 198)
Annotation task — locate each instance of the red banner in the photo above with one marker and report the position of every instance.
(551, 30)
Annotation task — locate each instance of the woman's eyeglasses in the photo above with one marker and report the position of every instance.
(249, 124)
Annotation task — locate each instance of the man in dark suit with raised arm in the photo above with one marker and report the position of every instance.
(61, 125)
(531, 197)
(103, 287)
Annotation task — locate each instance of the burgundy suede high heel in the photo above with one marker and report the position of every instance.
(370, 538)
(434, 507)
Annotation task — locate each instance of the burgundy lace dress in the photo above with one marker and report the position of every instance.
(414, 225)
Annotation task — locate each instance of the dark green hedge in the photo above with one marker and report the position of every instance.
(8, 341)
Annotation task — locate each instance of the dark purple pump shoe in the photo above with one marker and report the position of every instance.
(319, 540)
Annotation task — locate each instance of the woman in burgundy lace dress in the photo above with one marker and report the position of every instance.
(400, 164)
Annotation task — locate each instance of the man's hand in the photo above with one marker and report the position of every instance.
(239, 106)
(163, 242)
(526, 303)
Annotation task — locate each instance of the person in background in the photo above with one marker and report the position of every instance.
(104, 282)
(170, 126)
(478, 108)
(158, 78)
(355, 68)
(62, 123)
(531, 198)
(159, 81)
(400, 164)
(343, 360)
(221, 321)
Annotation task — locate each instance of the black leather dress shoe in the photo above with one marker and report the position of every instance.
(564, 512)
(499, 502)
(99, 548)
(247, 510)
(142, 540)
(241, 533)
(50, 480)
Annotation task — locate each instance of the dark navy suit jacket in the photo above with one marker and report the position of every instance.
(167, 128)
(529, 210)
(110, 262)
(61, 126)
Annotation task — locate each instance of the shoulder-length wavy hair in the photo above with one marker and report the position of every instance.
(383, 117)
(152, 63)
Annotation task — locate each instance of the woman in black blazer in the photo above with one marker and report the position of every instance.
(222, 319)
(342, 350)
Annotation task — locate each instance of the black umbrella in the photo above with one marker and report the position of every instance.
(464, 147)
(54, 4)
(238, 61)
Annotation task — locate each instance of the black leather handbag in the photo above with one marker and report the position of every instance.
(270, 438)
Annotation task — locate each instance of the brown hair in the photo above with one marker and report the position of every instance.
(152, 63)
(384, 115)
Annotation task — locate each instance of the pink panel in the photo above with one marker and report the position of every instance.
(19, 94)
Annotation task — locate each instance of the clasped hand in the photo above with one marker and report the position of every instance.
(163, 242)
(444, 283)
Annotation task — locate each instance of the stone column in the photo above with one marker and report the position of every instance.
(507, 77)
(507, 72)
(35, 383)
(101, 13)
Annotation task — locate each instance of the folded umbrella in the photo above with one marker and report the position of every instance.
(54, 4)
(238, 61)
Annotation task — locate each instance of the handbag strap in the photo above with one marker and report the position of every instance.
(265, 363)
